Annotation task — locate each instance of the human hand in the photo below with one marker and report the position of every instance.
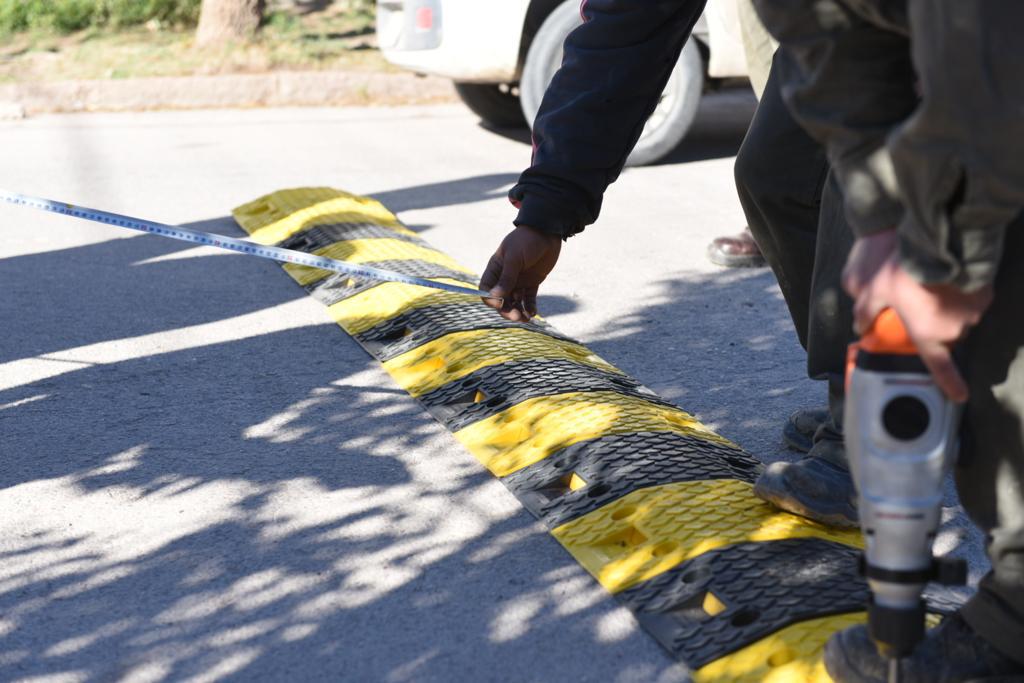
(866, 258)
(523, 260)
(936, 316)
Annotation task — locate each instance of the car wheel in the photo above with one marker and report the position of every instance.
(670, 120)
(497, 105)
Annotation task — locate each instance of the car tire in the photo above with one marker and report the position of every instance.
(496, 105)
(674, 114)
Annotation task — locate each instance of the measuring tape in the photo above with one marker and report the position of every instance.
(232, 244)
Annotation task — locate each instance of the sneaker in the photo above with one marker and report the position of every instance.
(815, 487)
(798, 432)
(951, 653)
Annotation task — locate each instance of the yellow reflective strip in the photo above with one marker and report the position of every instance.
(791, 655)
(534, 429)
(456, 355)
(652, 530)
(278, 216)
(370, 308)
(367, 251)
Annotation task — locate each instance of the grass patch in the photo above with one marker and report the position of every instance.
(295, 36)
(68, 16)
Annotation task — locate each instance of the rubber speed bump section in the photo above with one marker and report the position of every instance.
(275, 217)
(534, 429)
(339, 286)
(753, 590)
(373, 251)
(414, 328)
(792, 655)
(369, 308)
(323, 236)
(497, 388)
(652, 530)
(655, 505)
(457, 355)
(589, 475)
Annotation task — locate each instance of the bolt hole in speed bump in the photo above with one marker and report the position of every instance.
(657, 507)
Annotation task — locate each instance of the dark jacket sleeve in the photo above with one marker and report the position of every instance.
(615, 68)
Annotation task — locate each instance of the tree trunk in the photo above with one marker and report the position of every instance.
(221, 20)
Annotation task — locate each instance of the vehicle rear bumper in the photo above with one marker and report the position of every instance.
(471, 41)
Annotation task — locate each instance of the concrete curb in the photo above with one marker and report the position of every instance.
(284, 88)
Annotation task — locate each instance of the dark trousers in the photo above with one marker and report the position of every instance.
(990, 471)
(794, 209)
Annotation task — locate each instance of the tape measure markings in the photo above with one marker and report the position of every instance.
(287, 256)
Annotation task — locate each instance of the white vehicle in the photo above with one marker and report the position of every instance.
(502, 54)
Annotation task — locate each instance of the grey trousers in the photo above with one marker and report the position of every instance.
(794, 209)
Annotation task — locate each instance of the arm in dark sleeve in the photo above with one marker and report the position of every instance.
(850, 82)
(615, 68)
(960, 157)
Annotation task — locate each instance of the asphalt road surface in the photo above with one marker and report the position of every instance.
(203, 478)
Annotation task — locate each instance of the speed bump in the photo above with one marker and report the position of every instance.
(656, 506)
(496, 388)
(614, 466)
(339, 287)
(408, 330)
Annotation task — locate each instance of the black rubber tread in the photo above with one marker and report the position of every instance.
(323, 236)
(615, 466)
(509, 384)
(419, 326)
(764, 587)
(335, 288)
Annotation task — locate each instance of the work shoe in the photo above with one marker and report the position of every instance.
(814, 487)
(736, 251)
(798, 432)
(951, 653)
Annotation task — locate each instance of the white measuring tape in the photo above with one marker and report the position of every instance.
(231, 244)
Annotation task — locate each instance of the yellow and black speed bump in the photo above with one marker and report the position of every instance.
(588, 475)
(656, 506)
(421, 325)
(728, 598)
(338, 287)
(497, 388)
(323, 236)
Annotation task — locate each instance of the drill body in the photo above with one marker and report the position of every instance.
(901, 439)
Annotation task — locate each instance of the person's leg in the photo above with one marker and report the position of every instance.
(741, 250)
(830, 313)
(797, 219)
(780, 172)
(990, 473)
